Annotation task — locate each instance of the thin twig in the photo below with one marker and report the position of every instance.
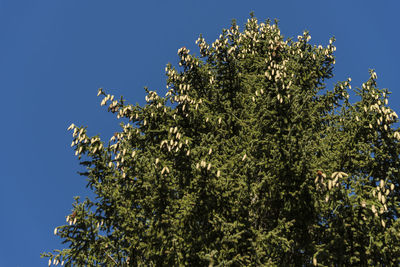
(112, 259)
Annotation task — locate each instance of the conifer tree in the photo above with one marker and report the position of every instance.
(250, 159)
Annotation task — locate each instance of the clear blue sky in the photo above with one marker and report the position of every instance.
(54, 55)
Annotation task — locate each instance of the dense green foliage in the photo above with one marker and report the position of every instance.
(248, 160)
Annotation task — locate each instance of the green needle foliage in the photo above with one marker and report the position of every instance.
(248, 160)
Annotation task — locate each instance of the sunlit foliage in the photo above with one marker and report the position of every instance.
(248, 160)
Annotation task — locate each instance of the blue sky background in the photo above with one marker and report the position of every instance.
(54, 55)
